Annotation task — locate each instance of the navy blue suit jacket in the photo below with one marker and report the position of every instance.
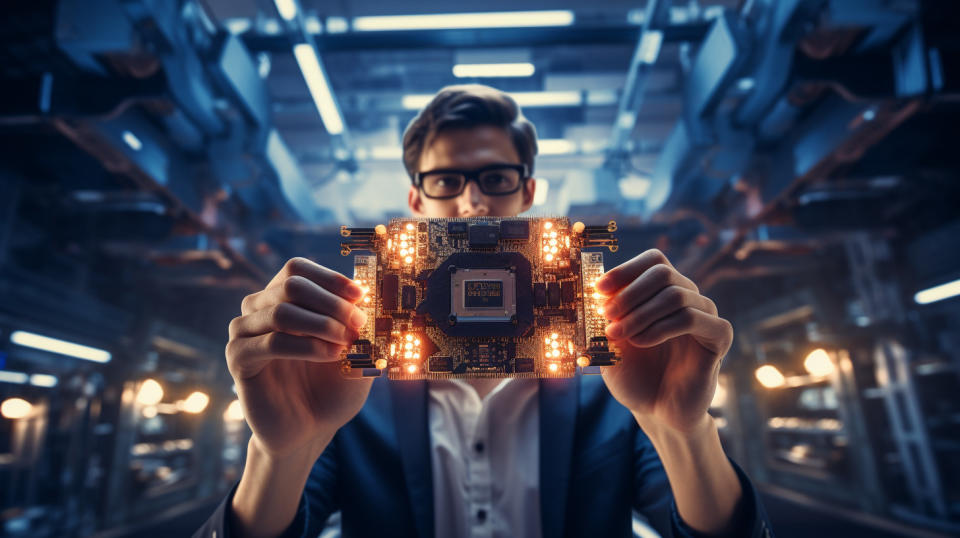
(596, 465)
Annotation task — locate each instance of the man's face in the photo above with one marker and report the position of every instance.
(469, 149)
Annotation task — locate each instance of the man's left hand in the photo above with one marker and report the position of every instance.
(670, 338)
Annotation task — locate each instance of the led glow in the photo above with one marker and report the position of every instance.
(548, 257)
(234, 412)
(408, 259)
(600, 310)
(366, 300)
(411, 368)
(554, 336)
(818, 363)
(131, 140)
(553, 367)
(196, 402)
(54, 345)
(769, 376)
(547, 225)
(583, 361)
(508, 19)
(380, 364)
(287, 9)
(938, 293)
(409, 226)
(493, 70)
(15, 408)
(319, 87)
(150, 393)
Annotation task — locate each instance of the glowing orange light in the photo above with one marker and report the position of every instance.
(554, 336)
(411, 368)
(547, 225)
(583, 361)
(380, 364)
(366, 300)
(553, 367)
(409, 226)
(408, 259)
(548, 257)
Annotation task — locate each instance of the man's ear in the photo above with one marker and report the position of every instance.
(415, 202)
(529, 188)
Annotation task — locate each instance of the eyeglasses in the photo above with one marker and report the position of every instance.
(493, 180)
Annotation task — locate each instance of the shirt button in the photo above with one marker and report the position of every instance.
(481, 515)
(478, 446)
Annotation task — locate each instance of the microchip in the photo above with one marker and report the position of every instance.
(482, 293)
(389, 290)
(523, 364)
(457, 227)
(539, 294)
(515, 229)
(553, 294)
(484, 236)
(408, 297)
(567, 292)
(440, 363)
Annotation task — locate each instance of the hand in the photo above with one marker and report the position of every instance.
(670, 338)
(283, 354)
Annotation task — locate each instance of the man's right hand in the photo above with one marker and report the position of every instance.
(283, 354)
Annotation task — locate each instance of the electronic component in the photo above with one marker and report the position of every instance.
(483, 297)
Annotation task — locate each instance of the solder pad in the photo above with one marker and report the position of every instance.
(481, 297)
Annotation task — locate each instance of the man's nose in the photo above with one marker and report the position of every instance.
(472, 201)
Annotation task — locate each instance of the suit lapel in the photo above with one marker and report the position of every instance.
(409, 399)
(558, 412)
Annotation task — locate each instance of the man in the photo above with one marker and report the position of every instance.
(487, 457)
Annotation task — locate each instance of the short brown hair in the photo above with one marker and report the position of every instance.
(465, 106)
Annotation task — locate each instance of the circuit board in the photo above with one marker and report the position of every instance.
(479, 297)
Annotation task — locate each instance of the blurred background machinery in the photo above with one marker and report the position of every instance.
(796, 158)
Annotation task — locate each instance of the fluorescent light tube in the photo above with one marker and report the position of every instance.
(493, 70)
(287, 9)
(524, 99)
(319, 87)
(505, 19)
(54, 345)
(938, 293)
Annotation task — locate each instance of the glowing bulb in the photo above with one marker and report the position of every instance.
(578, 227)
(404, 244)
(818, 363)
(546, 248)
(14, 408)
(411, 368)
(554, 344)
(600, 310)
(569, 346)
(416, 342)
(596, 295)
(366, 299)
(409, 338)
(150, 393)
(547, 225)
(408, 259)
(196, 402)
(404, 252)
(553, 250)
(380, 364)
(554, 336)
(546, 340)
(416, 355)
(389, 244)
(234, 411)
(409, 226)
(553, 234)
(403, 237)
(566, 241)
(408, 345)
(553, 242)
(393, 349)
(583, 361)
(553, 367)
(769, 376)
(408, 355)
(380, 229)
(548, 257)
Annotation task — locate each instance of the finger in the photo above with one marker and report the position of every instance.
(644, 287)
(292, 319)
(627, 272)
(327, 279)
(305, 293)
(713, 333)
(247, 356)
(665, 302)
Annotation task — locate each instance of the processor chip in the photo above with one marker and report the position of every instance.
(482, 293)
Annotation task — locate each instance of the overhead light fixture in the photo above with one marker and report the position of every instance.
(540, 192)
(505, 19)
(54, 345)
(938, 293)
(650, 46)
(818, 363)
(287, 9)
(18, 378)
(493, 70)
(555, 146)
(319, 87)
(131, 140)
(769, 376)
(634, 187)
(15, 408)
(523, 99)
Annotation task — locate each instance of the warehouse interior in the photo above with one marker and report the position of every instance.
(797, 159)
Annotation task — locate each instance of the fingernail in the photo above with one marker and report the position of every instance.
(358, 319)
(614, 330)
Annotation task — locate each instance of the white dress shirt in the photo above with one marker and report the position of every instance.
(485, 458)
